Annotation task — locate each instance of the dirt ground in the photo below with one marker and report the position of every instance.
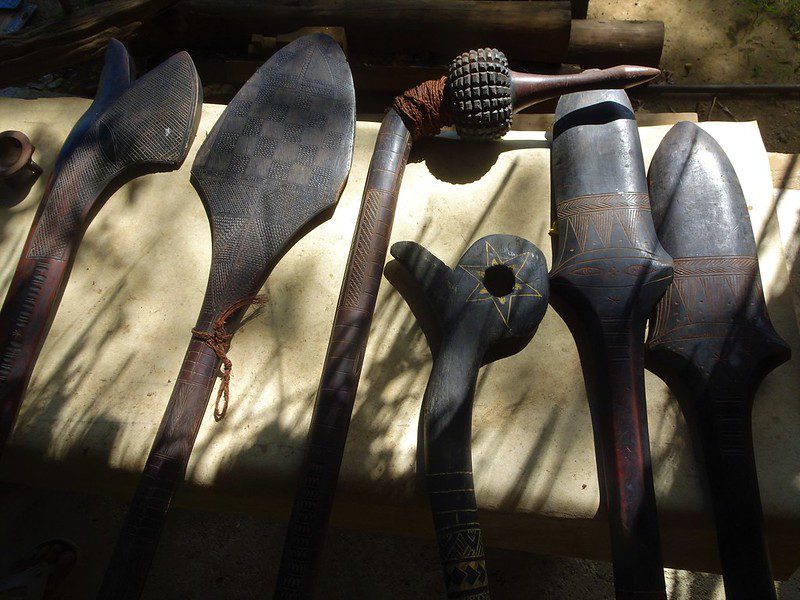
(723, 41)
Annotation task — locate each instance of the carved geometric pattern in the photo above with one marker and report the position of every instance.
(367, 222)
(460, 545)
(465, 576)
(703, 266)
(275, 173)
(609, 248)
(710, 290)
(592, 222)
(521, 289)
(601, 202)
(22, 319)
(149, 122)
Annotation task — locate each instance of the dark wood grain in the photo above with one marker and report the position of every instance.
(496, 295)
(711, 339)
(342, 368)
(599, 43)
(274, 165)
(129, 130)
(608, 273)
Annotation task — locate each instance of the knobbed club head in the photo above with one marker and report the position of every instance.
(481, 93)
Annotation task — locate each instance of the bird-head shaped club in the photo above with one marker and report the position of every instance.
(131, 128)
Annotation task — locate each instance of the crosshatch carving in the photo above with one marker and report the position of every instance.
(264, 177)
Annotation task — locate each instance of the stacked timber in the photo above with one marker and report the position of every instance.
(390, 42)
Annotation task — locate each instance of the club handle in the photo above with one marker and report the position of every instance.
(618, 405)
(165, 469)
(447, 407)
(726, 438)
(342, 368)
(28, 310)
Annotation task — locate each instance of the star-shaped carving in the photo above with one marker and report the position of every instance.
(521, 289)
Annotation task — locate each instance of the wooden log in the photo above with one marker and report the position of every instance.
(433, 31)
(596, 43)
(81, 36)
(537, 31)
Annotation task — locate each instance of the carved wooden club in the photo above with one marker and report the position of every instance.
(129, 130)
(711, 339)
(608, 273)
(272, 167)
(496, 295)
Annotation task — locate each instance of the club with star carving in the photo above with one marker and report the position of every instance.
(487, 308)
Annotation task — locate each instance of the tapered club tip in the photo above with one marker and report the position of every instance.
(632, 75)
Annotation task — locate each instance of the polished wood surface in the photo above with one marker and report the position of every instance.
(711, 338)
(608, 273)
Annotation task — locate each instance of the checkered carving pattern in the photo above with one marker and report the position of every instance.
(269, 167)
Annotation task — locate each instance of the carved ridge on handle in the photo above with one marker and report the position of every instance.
(371, 229)
(22, 319)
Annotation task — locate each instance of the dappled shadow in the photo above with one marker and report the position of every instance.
(250, 460)
(465, 161)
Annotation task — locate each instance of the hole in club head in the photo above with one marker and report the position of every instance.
(499, 280)
(10, 149)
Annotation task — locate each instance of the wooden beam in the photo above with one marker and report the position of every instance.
(430, 28)
(79, 37)
(596, 43)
